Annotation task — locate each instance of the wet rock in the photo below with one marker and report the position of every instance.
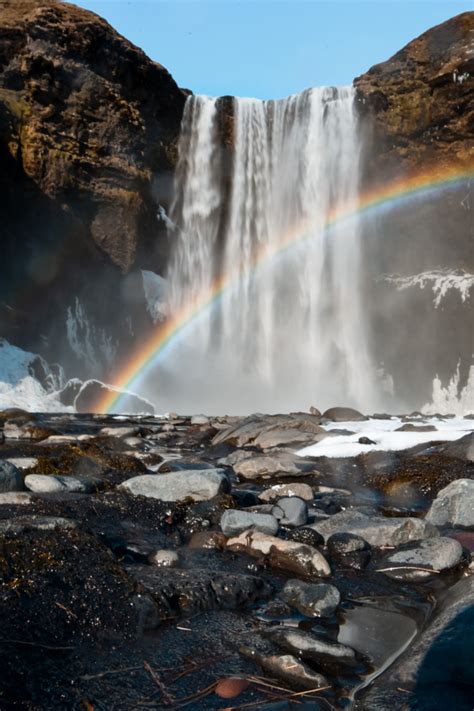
(16, 498)
(44, 484)
(330, 656)
(436, 671)
(435, 554)
(178, 592)
(39, 523)
(207, 540)
(200, 485)
(366, 440)
(265, 466)
(349, 550)
(291, 511)
(344, 414)
(306, 535)
(376, 530)
(303, 491)
(245, 497)
(288, 668)
(234, 522)
(340, 543)
(287, 555)
(11, 478)
(454, 505)
(164, 558)
(312, 600)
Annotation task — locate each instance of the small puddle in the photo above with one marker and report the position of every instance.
(380, 633)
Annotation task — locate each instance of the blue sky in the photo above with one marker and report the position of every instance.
(270, 48)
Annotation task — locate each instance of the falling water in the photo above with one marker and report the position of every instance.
(289, 330)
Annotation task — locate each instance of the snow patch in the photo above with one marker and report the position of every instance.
(451, 399)
(441, 282)
(382, 432)
(19, 387)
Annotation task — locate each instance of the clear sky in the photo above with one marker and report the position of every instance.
(271, 48)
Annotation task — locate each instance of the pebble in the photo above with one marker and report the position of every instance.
(307, 535)
(198, 484)
(330, 656)
(454, 505)
(312, 600)
(291, 511)
(234, 522)
(11, 478)
(16, 498)
(164, 558)
(302, 491)
(48, 484)
(287, 555)
(289, 669)
(376, 530)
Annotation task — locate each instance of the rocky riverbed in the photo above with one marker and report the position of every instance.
(205, 562)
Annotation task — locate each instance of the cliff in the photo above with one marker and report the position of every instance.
(421, 102)
(88, 131)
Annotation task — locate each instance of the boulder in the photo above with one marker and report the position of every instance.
(376, 530)
(344, 414)
(454, 505)
(198, 484)
(288, 668)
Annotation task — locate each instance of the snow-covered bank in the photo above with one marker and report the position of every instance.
(27, 381)
(385, 436)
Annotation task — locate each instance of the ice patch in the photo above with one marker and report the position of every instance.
(450, 399)
(19, 387)
(382, 432)
(441, 281)
(155, 288)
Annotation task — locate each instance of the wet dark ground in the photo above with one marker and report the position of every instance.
(88, 622)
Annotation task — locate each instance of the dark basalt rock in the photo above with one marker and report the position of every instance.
(88, 131)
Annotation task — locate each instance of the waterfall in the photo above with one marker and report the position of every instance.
(288, 329)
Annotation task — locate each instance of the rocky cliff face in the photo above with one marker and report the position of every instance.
(417, 110)
(420, 102)
(88, 130)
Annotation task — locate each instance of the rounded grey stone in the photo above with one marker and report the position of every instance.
(294, 511)
(454, 505)
(234, 522)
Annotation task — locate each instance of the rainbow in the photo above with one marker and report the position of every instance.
(166, 334)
